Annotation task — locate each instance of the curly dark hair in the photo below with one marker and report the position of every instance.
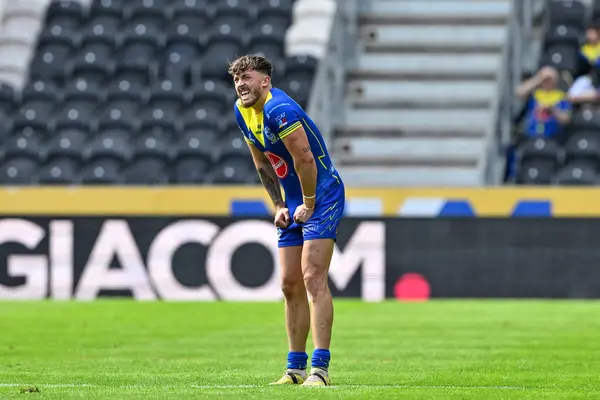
(255, 62)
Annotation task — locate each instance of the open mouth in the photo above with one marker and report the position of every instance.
(245, 94)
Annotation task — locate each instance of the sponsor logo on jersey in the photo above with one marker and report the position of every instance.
(278, 163)
(281, 120)
(276, 107)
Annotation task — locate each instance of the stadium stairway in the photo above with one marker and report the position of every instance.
(20, 23)
(420, 95)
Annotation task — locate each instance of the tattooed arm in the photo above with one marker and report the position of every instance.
(304, 163)
(267, 176)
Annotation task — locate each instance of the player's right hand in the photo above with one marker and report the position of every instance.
(282, 217)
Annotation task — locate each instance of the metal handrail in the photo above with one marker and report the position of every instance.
(520, 34)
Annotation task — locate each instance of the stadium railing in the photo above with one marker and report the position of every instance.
(326, 104)
(520, 27)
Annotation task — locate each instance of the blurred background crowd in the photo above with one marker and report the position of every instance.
(407, 93)
(557, 124)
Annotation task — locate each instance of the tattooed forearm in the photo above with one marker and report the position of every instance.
(271, 183)
(306, 149)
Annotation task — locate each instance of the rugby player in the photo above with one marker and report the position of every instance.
(288, 150)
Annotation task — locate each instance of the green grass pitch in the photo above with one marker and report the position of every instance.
(434, 350)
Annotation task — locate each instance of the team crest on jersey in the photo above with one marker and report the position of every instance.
(272, 138)
(278, 163)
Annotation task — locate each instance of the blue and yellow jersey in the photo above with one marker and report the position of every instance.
(591, 53)
(280, 116)
(540, 120)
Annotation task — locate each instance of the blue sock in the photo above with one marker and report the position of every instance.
(297, 360)
(320, 358)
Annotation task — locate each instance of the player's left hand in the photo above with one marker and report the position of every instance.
(303, 214)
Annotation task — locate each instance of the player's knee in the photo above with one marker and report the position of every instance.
(315, 280)
(292, 287)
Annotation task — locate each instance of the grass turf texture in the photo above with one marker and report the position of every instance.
(435, 350)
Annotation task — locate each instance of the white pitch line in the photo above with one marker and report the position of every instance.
(84, 385)
(51, 385)
(374, 387)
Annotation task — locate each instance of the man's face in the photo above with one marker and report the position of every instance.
(549, 83)
(249, 86)
(592, 35)
(550, 78)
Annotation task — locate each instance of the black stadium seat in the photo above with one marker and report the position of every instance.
(108, 8)
(567, 12)
(563, 35)
(101, 172)
(137, 91)
(66, 144)
(18, 171)
(58, 172)
(576, 175)
(584, 149)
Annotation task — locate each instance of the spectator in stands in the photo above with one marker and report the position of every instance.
(547, 108)
(585, 88)
(590, 51)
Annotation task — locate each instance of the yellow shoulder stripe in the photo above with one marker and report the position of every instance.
(290, 129)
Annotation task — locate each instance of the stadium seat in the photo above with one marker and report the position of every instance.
(193, 8)
(233, 12)
(583, 148)
(58, 172)
(36, 92)
(277, 13)
(8, 98)
(232, 148)
(211, 96)
(536, 172)
(23, 146)
(563, 35)
(18, 171)
(148, 171)
(116, 122)
(585, 120)
(147, 10)
(153, 146)
(189, 170)
(198, 118)
(100, 31)
(34, 115)
(109, 145)
(567, 12)
(595, 9)
(65, 14)
(100, 172)
(108, 8)
(50, 58)
(231, 173)
(267, 39)
(93, 64)
(196, 145)
(562, 57)
(537, 160)
(66, 145)
(117, 115)
(180, 53)
(168, 97)
(225, 43)
(576, 175)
